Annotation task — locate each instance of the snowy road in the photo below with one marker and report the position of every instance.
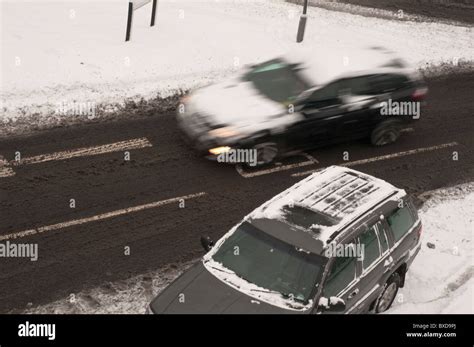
(157, 204)
(109, 201)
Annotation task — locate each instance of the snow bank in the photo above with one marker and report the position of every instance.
(441, 277)
(128, 296)
(439, 281)
(65, 52)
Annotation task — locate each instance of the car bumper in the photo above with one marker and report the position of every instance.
(201, 146)
(198, 138)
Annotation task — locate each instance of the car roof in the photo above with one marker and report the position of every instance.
(329, 64)
(336, 195)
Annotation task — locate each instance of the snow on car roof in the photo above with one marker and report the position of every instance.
(328, 64)
(338, 193)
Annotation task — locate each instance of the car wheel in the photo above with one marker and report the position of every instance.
(266, 152)
(388, 294)
(385, 133)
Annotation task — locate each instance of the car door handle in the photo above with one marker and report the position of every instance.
(354, 293)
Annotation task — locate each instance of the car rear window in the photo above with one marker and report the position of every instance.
(385, 83)
(401, 221)
(360, 85)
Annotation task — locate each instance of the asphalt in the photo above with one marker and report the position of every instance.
(91, 252)
(451, 10)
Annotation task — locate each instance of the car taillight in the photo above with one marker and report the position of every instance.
(419, 94)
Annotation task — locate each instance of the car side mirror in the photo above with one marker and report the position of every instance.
(206, 243)
(333, 304)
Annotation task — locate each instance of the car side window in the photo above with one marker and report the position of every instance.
(355, 86)
(342, 273)
(401, 221)
(324, 97)
(370, 247)
(385, 83)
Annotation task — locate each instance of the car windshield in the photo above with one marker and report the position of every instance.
(277, 80)
(269, 263)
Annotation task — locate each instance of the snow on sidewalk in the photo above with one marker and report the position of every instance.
(61, 52)
(439, 281)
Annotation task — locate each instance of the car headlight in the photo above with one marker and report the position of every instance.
(219, 150)
(224, 132)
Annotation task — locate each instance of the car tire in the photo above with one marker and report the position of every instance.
(389, 293)
(266, 152)
(385, 133)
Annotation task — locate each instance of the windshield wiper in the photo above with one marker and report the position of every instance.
(220, 269)
(285, 295)
(294, 298)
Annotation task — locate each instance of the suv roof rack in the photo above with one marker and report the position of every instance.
(338, 192)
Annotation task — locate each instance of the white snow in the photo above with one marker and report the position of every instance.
(337, 62)
(337, 191)
(439, 281)
(66, 51)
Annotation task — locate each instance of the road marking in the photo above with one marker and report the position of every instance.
(311, 161)
(244, 174)
(86, 151)
(5, 169)
(384, 157)
(98, 217)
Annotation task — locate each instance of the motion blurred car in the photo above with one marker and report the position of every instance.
(300, 101)
(337, 241)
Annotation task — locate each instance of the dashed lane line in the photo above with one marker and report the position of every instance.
(86, 151)
(5, 169)
(99, 217)
(244, 174)
(384, 157)
(311, 160)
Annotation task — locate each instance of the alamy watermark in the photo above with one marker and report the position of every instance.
(19, 250)
(75, 108)
(28, 329)
(234, 156)
(400, 108)
(345, 251)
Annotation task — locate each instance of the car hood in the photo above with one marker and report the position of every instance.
(198, 291)
(235, 102)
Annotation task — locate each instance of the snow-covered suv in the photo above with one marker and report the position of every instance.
(304, 100)
(337, 241)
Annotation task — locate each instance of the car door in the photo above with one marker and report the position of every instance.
(321, 112)
(373, 242)
(403, 227)
(342, 277)
(358, 97)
